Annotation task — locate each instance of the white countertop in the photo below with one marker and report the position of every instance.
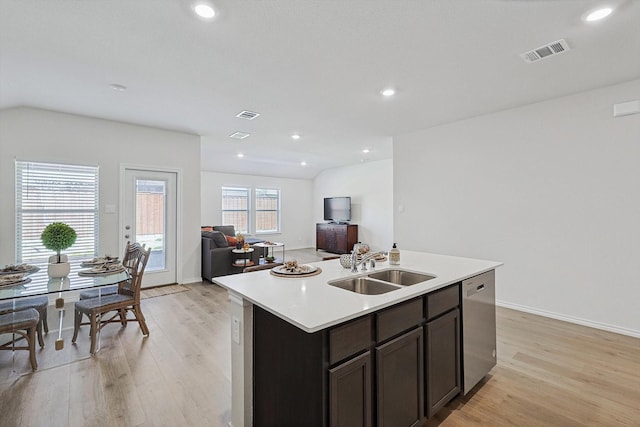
(311, 304)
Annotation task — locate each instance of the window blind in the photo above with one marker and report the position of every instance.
(48, 192)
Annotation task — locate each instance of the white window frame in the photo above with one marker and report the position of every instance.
(277, 210)
(248, 209)
(53, 192)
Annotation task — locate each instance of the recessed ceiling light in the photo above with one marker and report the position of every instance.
(204, 10)
(118, 87)
(598, 14)
(295, 136)
(240, 155)
(388, 92)
(303, 163)
(366, 150)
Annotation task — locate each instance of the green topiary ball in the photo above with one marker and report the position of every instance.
(58, 236)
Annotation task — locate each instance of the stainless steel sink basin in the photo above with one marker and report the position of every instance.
(364, 285)
(400, 277)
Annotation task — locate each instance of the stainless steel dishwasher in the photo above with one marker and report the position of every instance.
(478, 328)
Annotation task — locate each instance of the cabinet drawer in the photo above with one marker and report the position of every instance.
(441, 301)
(347, 340)
(399, 318)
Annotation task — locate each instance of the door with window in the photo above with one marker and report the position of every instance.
(150, 218)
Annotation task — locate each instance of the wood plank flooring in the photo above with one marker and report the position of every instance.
(553, 373)
(549, 373)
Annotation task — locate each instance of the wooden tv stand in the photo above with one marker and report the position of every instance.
(336, 238)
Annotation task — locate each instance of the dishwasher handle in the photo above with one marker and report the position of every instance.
(474, 289)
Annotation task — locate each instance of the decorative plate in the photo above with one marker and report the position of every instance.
(99, 261)
(102, 270)
(297, 271)
(19, 269)
(14, 279)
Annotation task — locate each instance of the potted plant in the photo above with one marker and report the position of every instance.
(58, 236)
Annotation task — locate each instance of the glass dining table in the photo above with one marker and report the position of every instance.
(38, 283)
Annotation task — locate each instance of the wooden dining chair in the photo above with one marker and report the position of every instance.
(24, 324)
(107, 290)
(117, 306)
(39, 303)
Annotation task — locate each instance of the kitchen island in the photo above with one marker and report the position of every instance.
(299, 325)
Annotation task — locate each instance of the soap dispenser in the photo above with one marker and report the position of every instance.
(394, 255)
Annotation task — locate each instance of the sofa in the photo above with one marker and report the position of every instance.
(217, 258)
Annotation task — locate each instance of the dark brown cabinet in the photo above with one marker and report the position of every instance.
(399, 375)
(336, 238)
(350, 403)
(443, 360)
(393, 367)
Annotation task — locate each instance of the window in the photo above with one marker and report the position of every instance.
(267, 211)
(235, 208)
(46, 193)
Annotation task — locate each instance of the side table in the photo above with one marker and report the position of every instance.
(242, 257)
(269, 252)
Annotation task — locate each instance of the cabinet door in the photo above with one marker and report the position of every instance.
(341, 241)
(443, 360)
(400, 386)
(330, 239)
(321, 241)
(350, 403)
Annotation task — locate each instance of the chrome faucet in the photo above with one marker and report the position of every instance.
(354, 259)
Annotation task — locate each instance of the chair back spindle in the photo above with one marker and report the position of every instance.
(134, 261)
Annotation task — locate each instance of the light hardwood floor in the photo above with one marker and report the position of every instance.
(549, 373)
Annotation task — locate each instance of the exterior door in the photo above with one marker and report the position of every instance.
(150, 205)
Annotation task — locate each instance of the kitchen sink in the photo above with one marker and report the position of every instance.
(364, 285)
(401, 277)
(381, 282)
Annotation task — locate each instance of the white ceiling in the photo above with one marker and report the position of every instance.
(314, 67)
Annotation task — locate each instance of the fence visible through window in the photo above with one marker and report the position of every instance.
(267, 210)
(235, 208)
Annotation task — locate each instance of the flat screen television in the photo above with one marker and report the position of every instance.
(337, 209)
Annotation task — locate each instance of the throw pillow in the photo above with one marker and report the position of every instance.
(219, 239)
(209, 228)
(229, 230)
(232, 241)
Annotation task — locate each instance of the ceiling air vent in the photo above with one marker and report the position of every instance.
(239, 135)
(249, 115)
(545, 51)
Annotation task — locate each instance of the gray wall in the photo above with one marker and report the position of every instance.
(551, 189)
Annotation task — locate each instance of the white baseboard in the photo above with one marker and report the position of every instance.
(191, 280)
(570, 319)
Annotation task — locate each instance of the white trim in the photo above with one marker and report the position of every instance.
(179, 205)
(190, 280)
(570, 319)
